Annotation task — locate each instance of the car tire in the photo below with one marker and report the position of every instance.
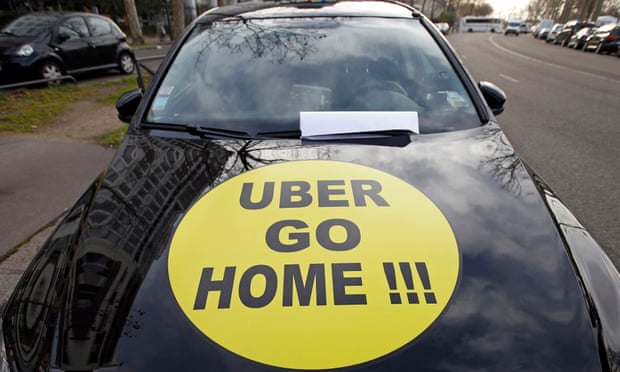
(49, 70)
(126, 63)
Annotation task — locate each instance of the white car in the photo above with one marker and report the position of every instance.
(443, 27)
(553, 33)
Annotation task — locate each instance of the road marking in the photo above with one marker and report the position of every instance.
(509, 78)
(531, 59)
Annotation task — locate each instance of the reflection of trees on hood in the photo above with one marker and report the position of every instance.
(262, 41)
(249, 156)
(503, 164)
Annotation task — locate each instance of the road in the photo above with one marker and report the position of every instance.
(563, 117)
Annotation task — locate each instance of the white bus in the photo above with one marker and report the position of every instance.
(480, 24)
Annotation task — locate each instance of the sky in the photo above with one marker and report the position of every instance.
(508, 8)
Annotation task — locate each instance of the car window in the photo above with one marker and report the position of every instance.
(237, 75)
(100, 27)
(74, 27)
(30, 25)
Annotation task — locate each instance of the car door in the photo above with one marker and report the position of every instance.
(104, 39)
(72, 43)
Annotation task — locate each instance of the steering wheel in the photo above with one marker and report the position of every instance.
(380, 85)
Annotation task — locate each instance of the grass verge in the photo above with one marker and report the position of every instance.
(25, 110)
(114, 138)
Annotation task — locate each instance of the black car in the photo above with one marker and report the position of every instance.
(570, 28)
(579, 39)
(606, 39)
(315, 186)
(48, 45)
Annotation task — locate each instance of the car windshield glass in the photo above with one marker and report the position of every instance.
(29, 25)
(258, 75)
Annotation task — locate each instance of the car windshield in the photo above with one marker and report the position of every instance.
(259, 75)
(30, 25)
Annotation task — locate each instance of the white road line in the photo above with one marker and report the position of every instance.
(509, 78)
(550, 64)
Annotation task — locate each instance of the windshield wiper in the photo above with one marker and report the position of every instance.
(197, 130)
(361, 135)
(216, 132)
(282, 134)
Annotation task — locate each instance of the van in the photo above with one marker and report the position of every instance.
(513, 27)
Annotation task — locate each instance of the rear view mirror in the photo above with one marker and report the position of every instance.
(62, 37)
(127, 104)
(494, 96)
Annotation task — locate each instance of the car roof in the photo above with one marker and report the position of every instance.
(286, 9)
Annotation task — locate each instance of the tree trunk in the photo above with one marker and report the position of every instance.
(178, 18)
(134, 23)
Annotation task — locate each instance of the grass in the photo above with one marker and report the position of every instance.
(114, 138)
(25, 110)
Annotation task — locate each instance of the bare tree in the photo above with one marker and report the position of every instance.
(178, 18)
(134, 23)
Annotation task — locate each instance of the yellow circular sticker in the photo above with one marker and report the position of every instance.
(313, 264)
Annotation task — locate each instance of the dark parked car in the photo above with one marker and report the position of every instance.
(606, 39)
(570, 28)
(315, 186)
(579, 39)
(48, 45)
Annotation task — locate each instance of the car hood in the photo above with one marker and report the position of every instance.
(253, 255)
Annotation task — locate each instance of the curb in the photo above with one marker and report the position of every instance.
(17, 259)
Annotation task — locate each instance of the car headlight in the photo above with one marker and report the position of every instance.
(25, 50)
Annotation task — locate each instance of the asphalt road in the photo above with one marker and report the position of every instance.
(563, 117)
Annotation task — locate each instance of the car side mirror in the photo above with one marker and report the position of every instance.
(494, 96)
(127, 104)
(62, 37)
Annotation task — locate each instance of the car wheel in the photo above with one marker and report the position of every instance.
(50, 70)
(126, 63)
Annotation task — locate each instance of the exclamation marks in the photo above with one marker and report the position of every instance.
(426, 282)
(407, 275)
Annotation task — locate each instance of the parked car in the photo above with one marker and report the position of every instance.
(315, 186)
(570, 29)
(513, 27)
(578, 40)
(444, 27)
(543, 33)
(544, 25)
(553, 32)
(525, 28)
(606, 39)
(48, 45)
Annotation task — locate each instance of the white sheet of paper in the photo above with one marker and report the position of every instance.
(322, 123)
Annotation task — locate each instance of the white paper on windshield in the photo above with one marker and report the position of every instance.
(324, 123)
